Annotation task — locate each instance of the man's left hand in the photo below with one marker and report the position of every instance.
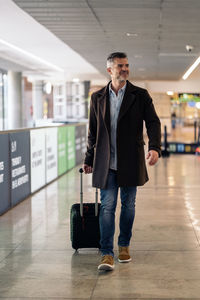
(152, 157)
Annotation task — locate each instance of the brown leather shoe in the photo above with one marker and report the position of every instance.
(107, 263)
(124, 255)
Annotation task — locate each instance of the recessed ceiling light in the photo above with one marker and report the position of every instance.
(170, 93)
(75, 80)
(30, 79)
(5, 77)
(48, 88)
(138, 56)
(198, 105)
(131, 34)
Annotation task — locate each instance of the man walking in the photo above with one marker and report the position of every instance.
(115, 153)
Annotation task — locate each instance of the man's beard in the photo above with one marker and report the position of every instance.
(121, 78)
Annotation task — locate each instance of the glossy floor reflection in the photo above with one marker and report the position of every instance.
(37, 261)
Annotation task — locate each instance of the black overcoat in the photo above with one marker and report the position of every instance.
(136, 107)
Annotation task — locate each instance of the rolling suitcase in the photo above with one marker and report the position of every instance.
(84, 222)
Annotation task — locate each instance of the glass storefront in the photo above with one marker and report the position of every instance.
(186, 109)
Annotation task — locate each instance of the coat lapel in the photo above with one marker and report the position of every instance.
(104, 106)
(128, 100)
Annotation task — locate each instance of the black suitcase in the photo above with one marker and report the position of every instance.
(84, 222)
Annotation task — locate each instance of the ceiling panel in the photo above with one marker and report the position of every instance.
(95, 28)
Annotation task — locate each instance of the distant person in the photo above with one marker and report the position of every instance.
(173, 118)
(115, 152)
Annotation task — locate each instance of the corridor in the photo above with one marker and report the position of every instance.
(37, 261)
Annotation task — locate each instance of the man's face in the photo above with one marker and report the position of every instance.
(119, 70)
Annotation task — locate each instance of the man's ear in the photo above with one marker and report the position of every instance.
(109, 70)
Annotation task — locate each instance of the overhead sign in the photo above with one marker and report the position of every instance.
(4, 174)
(187, 98)
(20, 166)
(62, 150)
(37, 139)
(51, 154)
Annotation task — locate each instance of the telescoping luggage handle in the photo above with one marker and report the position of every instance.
(81, 195)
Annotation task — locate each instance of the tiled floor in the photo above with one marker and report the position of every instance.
(37, 261)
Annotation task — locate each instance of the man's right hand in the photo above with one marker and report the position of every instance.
(87, 169)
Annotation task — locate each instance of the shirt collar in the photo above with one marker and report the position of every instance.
(122, 90)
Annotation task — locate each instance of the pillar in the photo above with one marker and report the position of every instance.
(15, 103)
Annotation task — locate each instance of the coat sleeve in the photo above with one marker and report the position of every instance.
(153, 125)
(92, 133)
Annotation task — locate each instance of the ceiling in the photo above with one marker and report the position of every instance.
(159, 31)
(27, 46)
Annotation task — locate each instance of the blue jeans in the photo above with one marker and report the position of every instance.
(107, 214)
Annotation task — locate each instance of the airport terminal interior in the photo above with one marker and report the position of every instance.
(52, 58)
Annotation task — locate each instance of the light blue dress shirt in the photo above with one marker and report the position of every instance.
(115, 104)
